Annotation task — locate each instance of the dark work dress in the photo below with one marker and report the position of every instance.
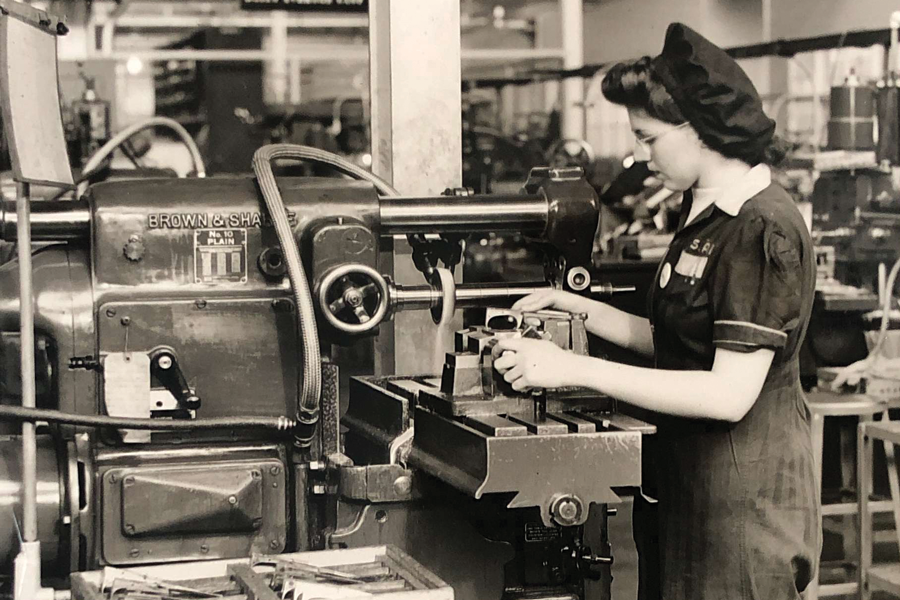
(738, 503)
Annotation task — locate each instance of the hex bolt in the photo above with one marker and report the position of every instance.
(164, 362)
(317, 465)
(318, 489)
(204, 548)
(201, 303)
(274, 544)
(134, 553)
(232, 500)
(275, 470)
(110, 312)
(113, 478)
(129, 529)
(126, 321)
(129, 480)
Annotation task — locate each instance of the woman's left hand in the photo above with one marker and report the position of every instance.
(527, 364)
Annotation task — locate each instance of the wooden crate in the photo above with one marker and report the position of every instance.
(406, 578)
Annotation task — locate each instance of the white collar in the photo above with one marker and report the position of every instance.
(753, 182)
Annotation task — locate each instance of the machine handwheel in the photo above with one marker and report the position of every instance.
(353, 298)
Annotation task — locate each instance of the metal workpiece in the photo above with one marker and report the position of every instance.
(521, 213)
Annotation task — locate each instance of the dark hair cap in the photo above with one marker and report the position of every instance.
(714, 94)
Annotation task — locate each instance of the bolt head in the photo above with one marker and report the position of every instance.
(126, 321)
(164, 362)
(110, 312)
(200, 303)
(353, 298)
(274, 544)
(204, 548)
(275, 470)
(113, 478)
(134, 553)
(129, 480)
(403, 485)
(129, 529)
(568, 510)
(232, 500)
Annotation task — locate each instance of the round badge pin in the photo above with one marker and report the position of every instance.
(665, 275)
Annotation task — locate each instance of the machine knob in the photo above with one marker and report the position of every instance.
(134, 248)
(353, 298)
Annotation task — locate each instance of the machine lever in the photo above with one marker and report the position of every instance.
(165, 370)
(586, 560)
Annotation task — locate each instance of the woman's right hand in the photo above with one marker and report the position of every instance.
(551, 298)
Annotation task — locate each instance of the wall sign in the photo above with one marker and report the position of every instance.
(307, 5)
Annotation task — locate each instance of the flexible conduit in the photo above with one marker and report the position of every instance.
(120, 138)
(18, 413)
(308, 401)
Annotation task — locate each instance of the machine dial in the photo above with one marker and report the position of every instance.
(353, 298)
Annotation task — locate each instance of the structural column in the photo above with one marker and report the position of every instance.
(416, 121)
(572, 13)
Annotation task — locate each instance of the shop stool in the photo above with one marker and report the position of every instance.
(824, 404)
(882, 577)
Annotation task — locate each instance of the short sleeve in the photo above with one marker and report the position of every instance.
(755, 288)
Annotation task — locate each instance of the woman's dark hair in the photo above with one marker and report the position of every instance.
(635, 85)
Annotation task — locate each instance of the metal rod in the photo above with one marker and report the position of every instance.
(61, 220)
(26, 340)
(470, 295)
(51, 220)
(523, 212)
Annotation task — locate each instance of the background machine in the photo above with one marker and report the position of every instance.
(188, 390)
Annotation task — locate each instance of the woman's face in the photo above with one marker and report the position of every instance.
(672, 152)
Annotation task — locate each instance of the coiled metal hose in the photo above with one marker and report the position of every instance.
(308, 401)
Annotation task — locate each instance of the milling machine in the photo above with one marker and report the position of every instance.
(190, 409)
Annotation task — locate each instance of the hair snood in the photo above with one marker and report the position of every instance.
(694, 80)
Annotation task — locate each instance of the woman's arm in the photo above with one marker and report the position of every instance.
(725, 393)
(604, 321)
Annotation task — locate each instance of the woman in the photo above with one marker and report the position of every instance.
(737, 491)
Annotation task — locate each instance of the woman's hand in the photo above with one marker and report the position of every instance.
(550, 298)
(527, 364)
